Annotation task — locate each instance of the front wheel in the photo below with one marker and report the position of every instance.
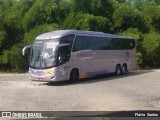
(74, 76)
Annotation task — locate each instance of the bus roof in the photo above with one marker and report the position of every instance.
(61, 33)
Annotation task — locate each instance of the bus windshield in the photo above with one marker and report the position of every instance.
(43, 54)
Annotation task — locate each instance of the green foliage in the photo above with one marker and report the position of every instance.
(127, 16)
(151, 43)
(30, 36)
(2, 33)
(13, 12)
(149, 12)
(46, 11)
(103, 8)
(5, 57)
(82, 5)
(22, 20)
(14, 58)
(87, 22)
(156, 19)
(35, 16)
(139, 58)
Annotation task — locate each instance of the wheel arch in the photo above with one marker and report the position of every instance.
(75, 68)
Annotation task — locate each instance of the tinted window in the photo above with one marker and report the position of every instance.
(121, 43)
(80, 43)
(104, 43)
(67, 39)
(91, 43)
(118, 44)
(85, 43)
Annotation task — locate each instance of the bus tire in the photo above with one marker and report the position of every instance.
(124, 69)
(74, 75)
(118, 70)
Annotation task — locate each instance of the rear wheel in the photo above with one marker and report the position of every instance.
(118, 70)
(124, 69)
(74, 76)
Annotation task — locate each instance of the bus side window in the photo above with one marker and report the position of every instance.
(122, 44)
(77, 44)
(89, 43)
(67, 39)
(92, 43)
(80, 43)
(100, 43)
(115, 43)
(103, 43)
(108, 44)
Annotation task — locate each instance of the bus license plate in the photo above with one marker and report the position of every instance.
(39, 78)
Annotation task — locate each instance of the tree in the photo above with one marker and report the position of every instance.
(35, 16)
(151, 13)
(30, 36)
(22, 20)
(12, 13)
(14, 58)
(151, 43)
(156, 19)
(46, 11)
(127, 16)
(87, 22)
(2, 34)
(83, 6)
(103, 8)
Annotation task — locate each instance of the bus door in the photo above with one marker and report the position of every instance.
(63, 64)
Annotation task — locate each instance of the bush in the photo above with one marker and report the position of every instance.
(151, 44)
(127, 16)
(139, 58)
(14, 58)
(30, 36)
(87, 22)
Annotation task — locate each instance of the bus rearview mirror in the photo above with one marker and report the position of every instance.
(25, 49)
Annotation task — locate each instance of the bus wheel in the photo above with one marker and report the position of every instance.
(118, 70)
(74, 76)
(124, 69)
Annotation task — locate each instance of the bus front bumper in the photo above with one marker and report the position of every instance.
(43, 78)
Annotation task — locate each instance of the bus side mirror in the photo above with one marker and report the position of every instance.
(25, 49)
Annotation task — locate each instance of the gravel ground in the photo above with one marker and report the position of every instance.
(137, 90)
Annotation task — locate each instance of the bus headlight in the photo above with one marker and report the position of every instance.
(48, 71)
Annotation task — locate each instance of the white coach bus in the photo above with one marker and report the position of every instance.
(75, 54)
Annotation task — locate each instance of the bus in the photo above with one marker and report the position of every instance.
(76, 54)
